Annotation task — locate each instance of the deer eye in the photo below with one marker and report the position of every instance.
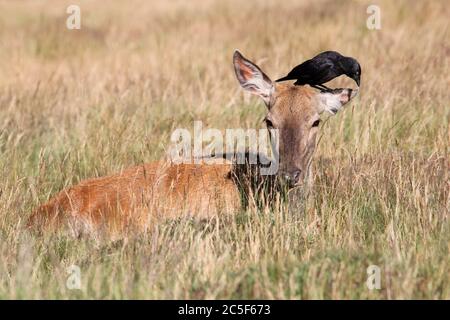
(269, 123)
(316, 123)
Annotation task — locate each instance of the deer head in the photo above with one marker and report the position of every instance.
(294, 111)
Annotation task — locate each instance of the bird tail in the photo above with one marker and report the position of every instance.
(284, 79)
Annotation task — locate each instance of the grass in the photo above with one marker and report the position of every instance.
(85, 103)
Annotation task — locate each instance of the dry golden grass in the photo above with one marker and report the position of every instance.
(78, 104)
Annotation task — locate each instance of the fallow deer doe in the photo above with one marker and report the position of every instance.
(140, 195)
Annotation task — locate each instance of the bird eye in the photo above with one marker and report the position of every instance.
(316, 123)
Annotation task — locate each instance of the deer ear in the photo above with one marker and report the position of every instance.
(332, 101)
(252, 78)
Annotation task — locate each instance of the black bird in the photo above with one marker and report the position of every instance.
(323, 68)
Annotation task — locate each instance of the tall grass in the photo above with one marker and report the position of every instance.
(82, 103)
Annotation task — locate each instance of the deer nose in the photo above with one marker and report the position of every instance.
(293, 176)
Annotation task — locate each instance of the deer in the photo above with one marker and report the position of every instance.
(140, 196)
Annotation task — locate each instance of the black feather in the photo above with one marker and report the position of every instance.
(323, 68)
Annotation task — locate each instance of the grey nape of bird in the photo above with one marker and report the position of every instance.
(323, 68)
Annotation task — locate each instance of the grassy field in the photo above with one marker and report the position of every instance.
(76, 104)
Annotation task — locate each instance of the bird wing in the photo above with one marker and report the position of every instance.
(313, 71)
(302, 70)
(322, 71)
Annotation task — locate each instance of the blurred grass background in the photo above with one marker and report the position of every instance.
(76, 104)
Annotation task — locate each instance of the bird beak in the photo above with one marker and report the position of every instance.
(357, 80)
